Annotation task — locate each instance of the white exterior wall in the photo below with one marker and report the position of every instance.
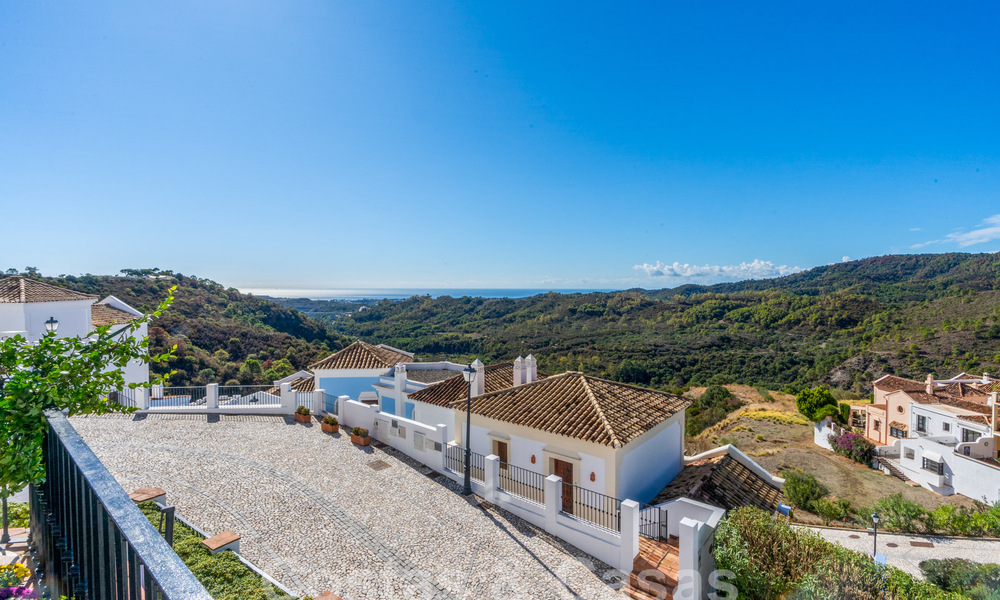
(433, 415)
(74, 318)
(12, 320)
(521, 449)
(651, 461)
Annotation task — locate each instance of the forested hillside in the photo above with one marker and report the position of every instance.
(221, 335)
(843, 324)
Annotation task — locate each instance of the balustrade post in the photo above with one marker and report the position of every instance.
(212, 396)
(629, 535)
(288, 404)
(142, 398)
(491, 477)
(553, 501)
(441, 437)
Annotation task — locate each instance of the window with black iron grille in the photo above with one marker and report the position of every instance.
(969, 435)
(933, 466)
(897, 433)
(921, 424)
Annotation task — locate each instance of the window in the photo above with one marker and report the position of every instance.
(897, 433)
(921, 424)
(946, 426)
(877, 425)
(969, 435)
(933, 467)
(908, 453)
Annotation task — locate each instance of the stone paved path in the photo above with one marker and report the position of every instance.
(907, 557)
(314, 515)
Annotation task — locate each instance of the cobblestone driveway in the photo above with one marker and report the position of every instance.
(315, 515)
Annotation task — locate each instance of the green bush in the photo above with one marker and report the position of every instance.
(802, 489)
(17, 513)
(770, 559)
(712, 406)
(222, 574)
(845, 412)
(817, 404)
(302, 410)
(974, 580)
(898, 514)
(833, 509)
(360, 432)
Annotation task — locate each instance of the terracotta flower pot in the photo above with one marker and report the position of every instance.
(303, 418)
(331, 428)
(361, 441)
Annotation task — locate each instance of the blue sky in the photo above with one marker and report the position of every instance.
(511, 144)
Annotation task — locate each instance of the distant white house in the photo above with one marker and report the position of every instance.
(27, 304)
(355, 369)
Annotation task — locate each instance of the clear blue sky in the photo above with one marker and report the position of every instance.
(504, 144)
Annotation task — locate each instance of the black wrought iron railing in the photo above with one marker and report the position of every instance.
(88, 540)
(522, 482)
(593, 507)
(455, 461)
(653, 522)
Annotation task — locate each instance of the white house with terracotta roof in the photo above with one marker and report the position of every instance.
(611, 438)
(26, 304)
(355, 369)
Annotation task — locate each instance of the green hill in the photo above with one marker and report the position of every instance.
(843, 324)
(221, 334)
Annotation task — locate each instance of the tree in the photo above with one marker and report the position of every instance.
(72, 374)
(817, 404)
(280, 369)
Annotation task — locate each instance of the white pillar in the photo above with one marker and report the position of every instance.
(441, 436)
(688, 576)
(553, 502)
(491, 477)
(212, 395)
(319, 402)
(287, 399)
(630, 535)
(142, 398)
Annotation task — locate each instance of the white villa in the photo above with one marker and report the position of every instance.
(27, 304)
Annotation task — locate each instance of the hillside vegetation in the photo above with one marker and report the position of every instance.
(843, 325)
(221, 334)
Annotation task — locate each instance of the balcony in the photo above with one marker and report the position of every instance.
(87, 537)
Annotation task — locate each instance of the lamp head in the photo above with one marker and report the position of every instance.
(876, 518)
(52, 325)
(469, 374)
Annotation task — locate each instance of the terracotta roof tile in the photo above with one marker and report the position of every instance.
(306, 383)
(891, 383)
(19, 290)
(582, 407)
(103, 314)
(429, 375)
(361, 355)
(498, 377)
(722, 481)
(899, 425)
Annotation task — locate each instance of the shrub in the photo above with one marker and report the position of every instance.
(13, 575)
(972, 579)
(833, 510)
(302, 410)
(770, 559)
(854, 446)
(18, 514)
(817, 404)
(898, 513)
(330, 420)
(360, 432)
(845, 412)
(711, 407)
(802, 489)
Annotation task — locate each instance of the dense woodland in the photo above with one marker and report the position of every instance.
(843, 325)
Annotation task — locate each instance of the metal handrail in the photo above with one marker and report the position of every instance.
(522, 482)
(90, 539)
(594, 507)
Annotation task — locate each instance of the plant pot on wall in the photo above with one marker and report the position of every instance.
(359, 436)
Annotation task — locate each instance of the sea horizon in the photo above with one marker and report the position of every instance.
(402, 293)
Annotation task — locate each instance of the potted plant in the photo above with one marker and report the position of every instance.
(302, 414)
(331, 424)
(359, 435)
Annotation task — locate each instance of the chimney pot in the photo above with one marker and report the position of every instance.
(930, 384)
(520, 374)
(531, 369)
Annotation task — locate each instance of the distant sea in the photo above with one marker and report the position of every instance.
(397, 294)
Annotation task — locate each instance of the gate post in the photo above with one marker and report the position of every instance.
(212, 396)
(553, 501)
(629, 535)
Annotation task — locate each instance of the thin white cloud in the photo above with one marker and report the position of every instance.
(987, 231)
(914, 229)
(688, 273)
(846, 259)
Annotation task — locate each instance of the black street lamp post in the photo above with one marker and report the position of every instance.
(470, 375)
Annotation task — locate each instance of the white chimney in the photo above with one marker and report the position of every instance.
(986, 377)
(531, 368)
(399, 376)
(520, 374)
(479, 385)
(930, 384)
